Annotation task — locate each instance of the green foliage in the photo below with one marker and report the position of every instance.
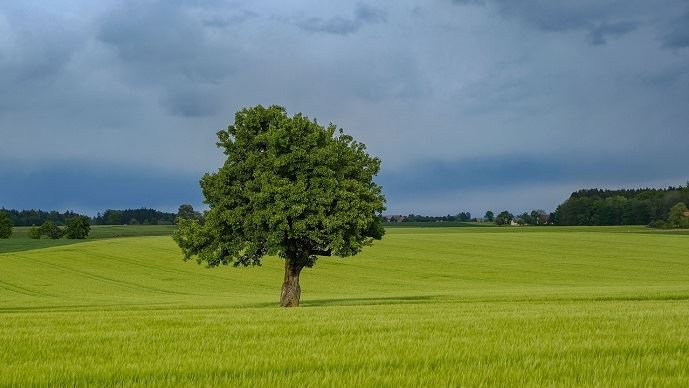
(78, 228)
(29, 238)
(539, 217)
(6, 225)
(34, 233)
(289, 187)
(659, 224)
(504, 218)
(679, 216)
(619, 207)
(134, 217)
(187, 212)
(37, 217)
(459, 217)
(50, 230)
(490, 217)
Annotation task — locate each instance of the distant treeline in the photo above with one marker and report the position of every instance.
(38, 217)
(584, 207)
(143, 216)
(619, 207)
(462, 217)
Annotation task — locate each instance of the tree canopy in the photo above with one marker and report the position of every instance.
(37, 217)
(504, 218)
(679, 216)
(51, 230)
(6, 225)
(619, 207)
(289, 187)
(187, 212)
(78, 227)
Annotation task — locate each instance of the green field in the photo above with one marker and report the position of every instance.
(605, 306)
(20, 240)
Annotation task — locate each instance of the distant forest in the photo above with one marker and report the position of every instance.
(584, 207)
(619, 207)
(143, 216)
(462, 217)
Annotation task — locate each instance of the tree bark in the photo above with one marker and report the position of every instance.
(291, 291)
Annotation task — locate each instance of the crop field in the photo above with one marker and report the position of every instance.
(20, 240)
(558, 306)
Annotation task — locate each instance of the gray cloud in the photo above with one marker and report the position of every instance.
(599, 19)
(142, 87)
(678, 36)
(599, 34)
(558, 16)
(34, 49)
(363, 15)
(174, 49)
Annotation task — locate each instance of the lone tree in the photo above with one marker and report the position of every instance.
(289, 187)
(77, 227)
(6, 225)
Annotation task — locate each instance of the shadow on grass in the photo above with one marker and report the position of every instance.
(368, 301)
(22, 245)
(372, 301)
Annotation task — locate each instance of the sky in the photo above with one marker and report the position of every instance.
(470, 104)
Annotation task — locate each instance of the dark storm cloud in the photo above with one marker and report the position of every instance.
(363, 15)
(559, 15)
(678, 35)
(467, 102)
(599, 19)
(38, 47)
(95, 187)
(598, 35)
(489, 172)
(172, 48)
(435, 186)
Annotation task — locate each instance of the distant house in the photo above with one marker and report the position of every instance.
(394, 218)
(480, 219)
(517, 222)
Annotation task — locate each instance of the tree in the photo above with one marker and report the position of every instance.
(539, 217)
(463, 216)
(113, 217)
(289, 187)
(504, 218)
(34, 232)
(77, 227)
(490, 217)
(187, 212)
(678, 216)
(50, 229)
(6, 225)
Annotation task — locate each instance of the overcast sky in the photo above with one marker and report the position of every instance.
(470, 104)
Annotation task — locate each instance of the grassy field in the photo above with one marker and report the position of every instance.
(20, 240)
(603, 306)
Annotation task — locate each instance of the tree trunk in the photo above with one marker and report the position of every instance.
(291, 292)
